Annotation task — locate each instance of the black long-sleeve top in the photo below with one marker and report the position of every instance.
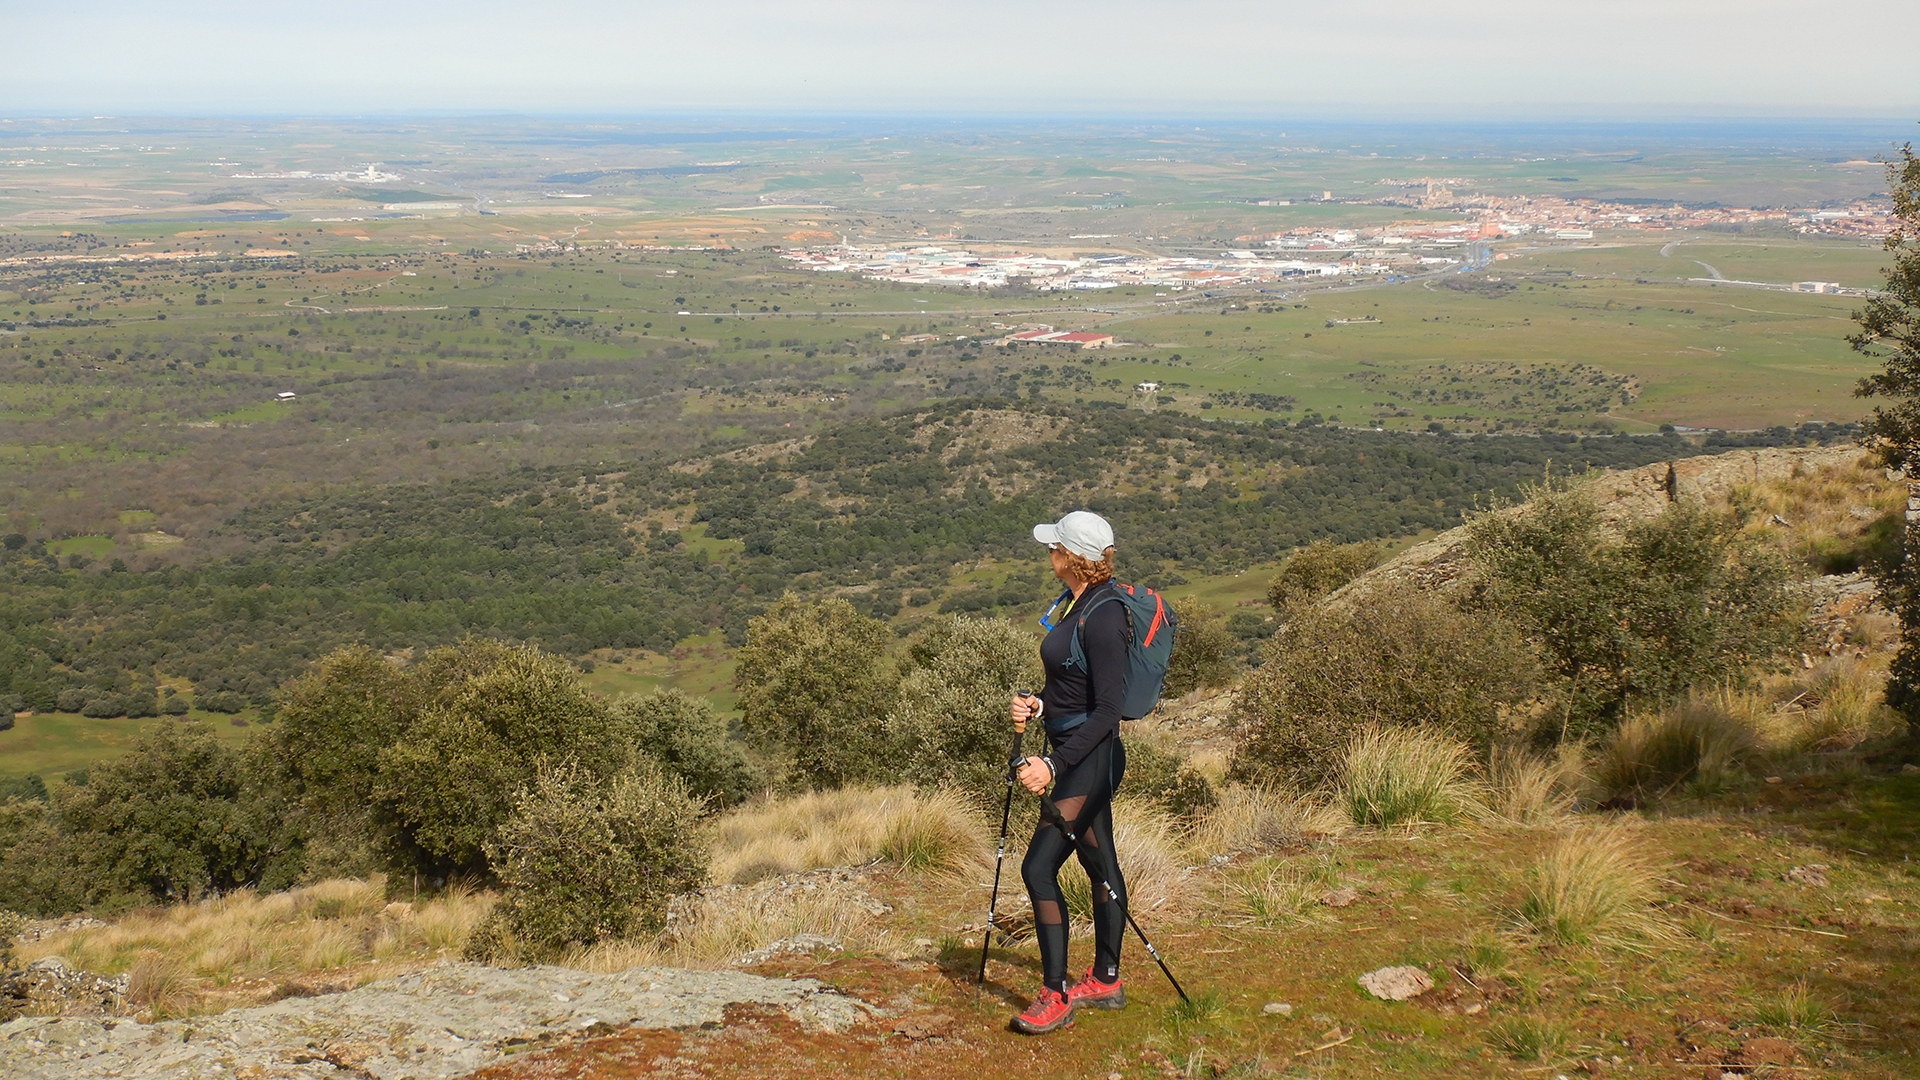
(1098, 690)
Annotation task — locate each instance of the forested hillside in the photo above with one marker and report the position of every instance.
(897, 514)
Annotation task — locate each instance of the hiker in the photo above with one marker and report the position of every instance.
(1081, 709)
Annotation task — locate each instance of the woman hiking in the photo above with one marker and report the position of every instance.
(1080, 707)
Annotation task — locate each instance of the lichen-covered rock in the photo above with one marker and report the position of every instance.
(1396, 983)
(444, 1021)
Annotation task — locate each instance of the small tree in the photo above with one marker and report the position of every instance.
(951, 717)
(816, 683)
(489, 715)
(1890, 332)
(1641, 614)
(170, 821)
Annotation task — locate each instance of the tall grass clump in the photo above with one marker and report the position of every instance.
(1796, 1013)
(1276, 894)
(1149, 842)
(160, 983)
(1593, 887)
(1524, 788)
(717, 926)
(1523, 1038)
(848, 826)
(1399, 776)
(1247, 818)
(1849, 708)
(1697, 742)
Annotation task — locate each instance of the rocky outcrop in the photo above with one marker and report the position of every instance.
(444, 1021)
(49, 985)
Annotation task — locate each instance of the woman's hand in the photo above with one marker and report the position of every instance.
(1024, 708)
(1034, 775)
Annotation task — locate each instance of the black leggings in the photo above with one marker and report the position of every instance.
(1084, 794)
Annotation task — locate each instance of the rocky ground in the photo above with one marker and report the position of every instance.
(444, 1021)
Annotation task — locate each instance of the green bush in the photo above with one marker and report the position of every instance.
(172, 820)
(689, 740)
(1400, 658)
(39, 872)
(477, 720)
(1640, 615)
(1163, 777)
(1203, 652)
(950, 718)
(585, 859)
(816, 683)
(1318, 569)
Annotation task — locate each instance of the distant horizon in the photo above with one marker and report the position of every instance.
(1378, 59)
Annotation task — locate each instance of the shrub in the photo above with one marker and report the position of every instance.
(1401, 658)
(1319, 569)
(1203, 652)
(585, 860)
(1681, 599)
(815, 684)
(105, 706)
(1697, 742)
(1399, 776)
(951, 715)
(689, 740)
(1162, 777)
(1593, 887)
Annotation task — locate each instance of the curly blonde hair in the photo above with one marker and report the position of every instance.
(1093, 573)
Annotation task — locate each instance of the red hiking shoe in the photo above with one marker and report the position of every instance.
(1091, 993)
(1050, 1011)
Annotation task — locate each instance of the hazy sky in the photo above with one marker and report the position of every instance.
(1631, 59)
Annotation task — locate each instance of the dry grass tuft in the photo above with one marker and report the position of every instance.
(1700, 743)
(161, 984)
(1847, 707)
(1151, 861)
(1400, 776)
(1594, 887)
(919, 830)
(1527, 789)
(1256, 818)
(715, 927)
(187, 953)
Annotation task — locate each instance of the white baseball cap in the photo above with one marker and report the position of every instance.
(1082, 532)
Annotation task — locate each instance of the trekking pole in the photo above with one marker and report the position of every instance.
(1052, 813)
(1000, 852)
